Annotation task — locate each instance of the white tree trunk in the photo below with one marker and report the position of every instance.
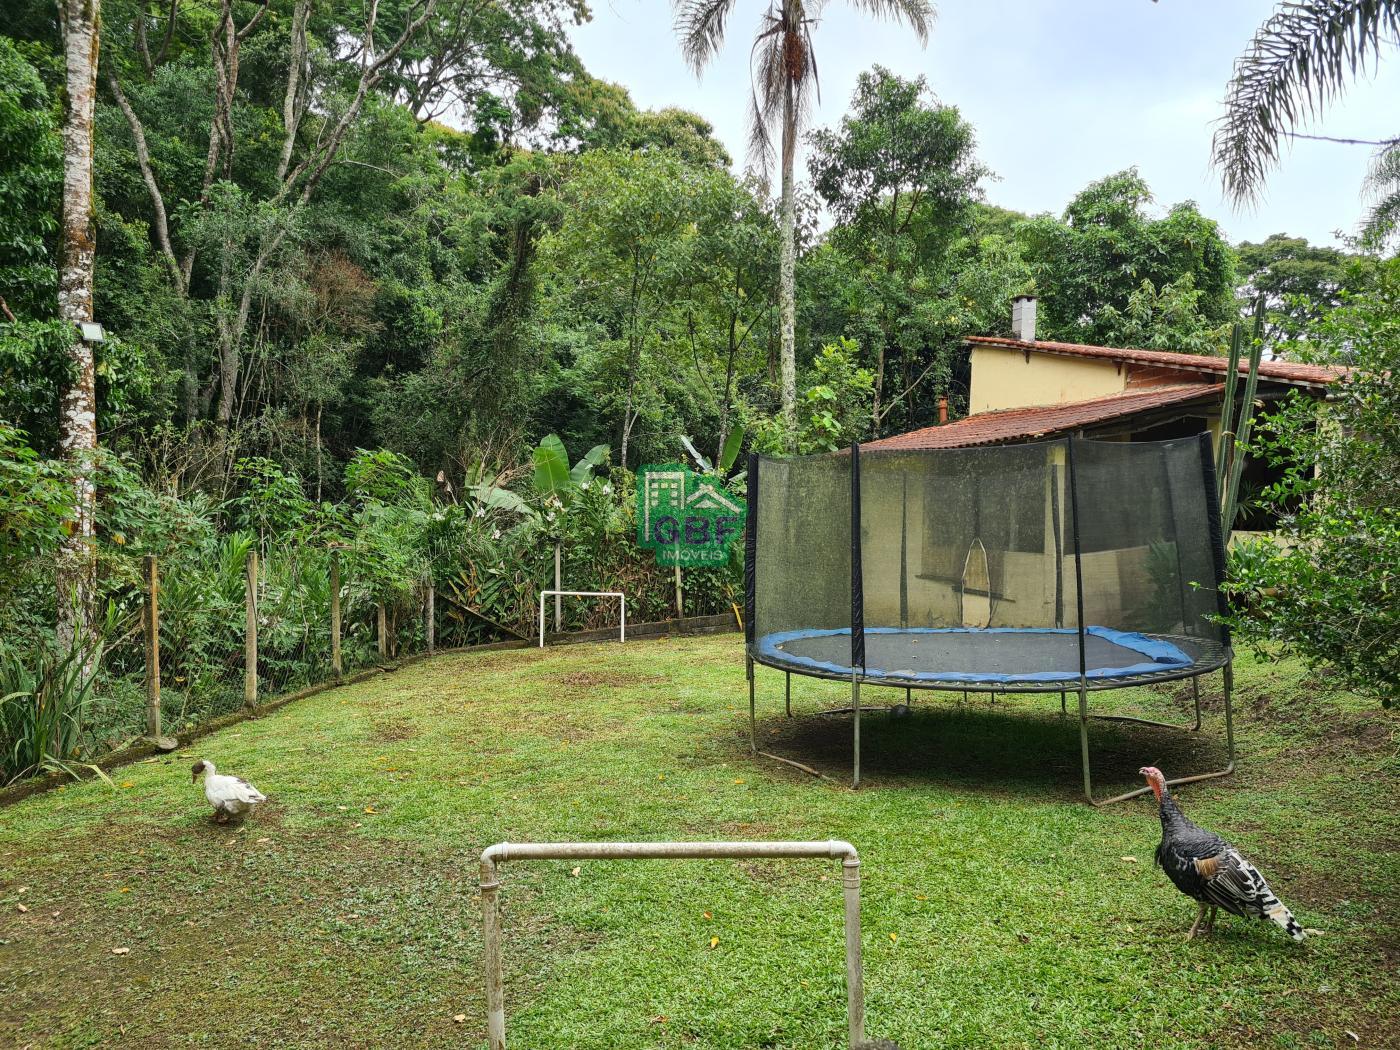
(787, 308)
(78, 408)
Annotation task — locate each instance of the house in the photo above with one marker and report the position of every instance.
(1024, 389)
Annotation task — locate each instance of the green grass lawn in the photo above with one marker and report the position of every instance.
(998, 910)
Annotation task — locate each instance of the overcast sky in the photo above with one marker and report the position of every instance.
(1061, 92)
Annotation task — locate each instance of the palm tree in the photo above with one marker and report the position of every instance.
(1301, 59)
(784, 73)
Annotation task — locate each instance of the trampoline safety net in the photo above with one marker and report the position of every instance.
(1030, 565)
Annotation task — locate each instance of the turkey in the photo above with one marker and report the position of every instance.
(1205, 867)
(230, 796)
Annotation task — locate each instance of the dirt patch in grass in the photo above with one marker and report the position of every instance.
(394, 729)
(602, 679)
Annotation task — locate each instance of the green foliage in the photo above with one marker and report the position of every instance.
(1301, 283)
(832, 411)
(36, 502)
(43, 701)
(901, 175)
(1089, 266)
(31, 175)
(1327, 589)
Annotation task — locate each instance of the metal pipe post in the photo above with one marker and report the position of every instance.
(787, 691)
(855, 975)
(491, 947)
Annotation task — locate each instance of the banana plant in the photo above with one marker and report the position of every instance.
(733, 442)
(552, 479)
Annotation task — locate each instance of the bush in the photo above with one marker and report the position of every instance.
(1330, 589)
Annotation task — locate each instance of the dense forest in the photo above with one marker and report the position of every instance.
(354, 262)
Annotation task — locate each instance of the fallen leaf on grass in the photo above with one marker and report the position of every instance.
(894, 938)
(124, 889)
(459, 1018)
(708, 915)
(738, 780)
(261, 841)
(921, 896)
(1313, 931)
(23, 908)
(342, 808)
(574, 871)
(1128, 860)
(121, 951)
(127, 784)
(369, 809)
(714, 942)
(659, 1019)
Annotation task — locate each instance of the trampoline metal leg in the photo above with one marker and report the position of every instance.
(855, 709)
(1084, 739)
(1064, 710)
(787, 691)
(1229, 684)
(908, 696)
(1196, 699)
(753, 716)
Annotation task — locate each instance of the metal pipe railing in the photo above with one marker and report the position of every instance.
(493, 856)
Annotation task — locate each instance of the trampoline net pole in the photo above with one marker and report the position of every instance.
(1079, 617)
(857, 613)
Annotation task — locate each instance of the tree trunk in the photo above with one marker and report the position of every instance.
(78, 408)
(787, 307)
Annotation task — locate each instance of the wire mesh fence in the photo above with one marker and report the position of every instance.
(201, 631)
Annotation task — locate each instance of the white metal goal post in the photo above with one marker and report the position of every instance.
(622, 598)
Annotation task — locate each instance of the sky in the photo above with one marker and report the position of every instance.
(1061, 92)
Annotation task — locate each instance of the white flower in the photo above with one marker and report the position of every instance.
(584, 485)
(607, 490)
(549, 516)
(495, 534)
(481, 512)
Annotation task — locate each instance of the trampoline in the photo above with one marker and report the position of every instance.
(1067, 566)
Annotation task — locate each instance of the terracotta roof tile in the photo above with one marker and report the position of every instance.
(1283, 371)
(1026, 424)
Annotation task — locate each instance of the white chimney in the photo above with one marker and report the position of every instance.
(1023, 318)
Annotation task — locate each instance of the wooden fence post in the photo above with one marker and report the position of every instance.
(152, 646)
(432, 616)
(680, 600)
(383, 626)
(335, 614)
(250, 634)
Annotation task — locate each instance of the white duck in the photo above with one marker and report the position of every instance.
(230, 796)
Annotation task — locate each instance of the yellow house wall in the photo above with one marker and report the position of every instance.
(1005, 379)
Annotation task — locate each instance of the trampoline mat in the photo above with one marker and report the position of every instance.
(972, 655)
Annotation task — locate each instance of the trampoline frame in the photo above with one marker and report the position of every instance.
(1222, 661)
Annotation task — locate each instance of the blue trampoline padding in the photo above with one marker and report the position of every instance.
(1156, 655)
